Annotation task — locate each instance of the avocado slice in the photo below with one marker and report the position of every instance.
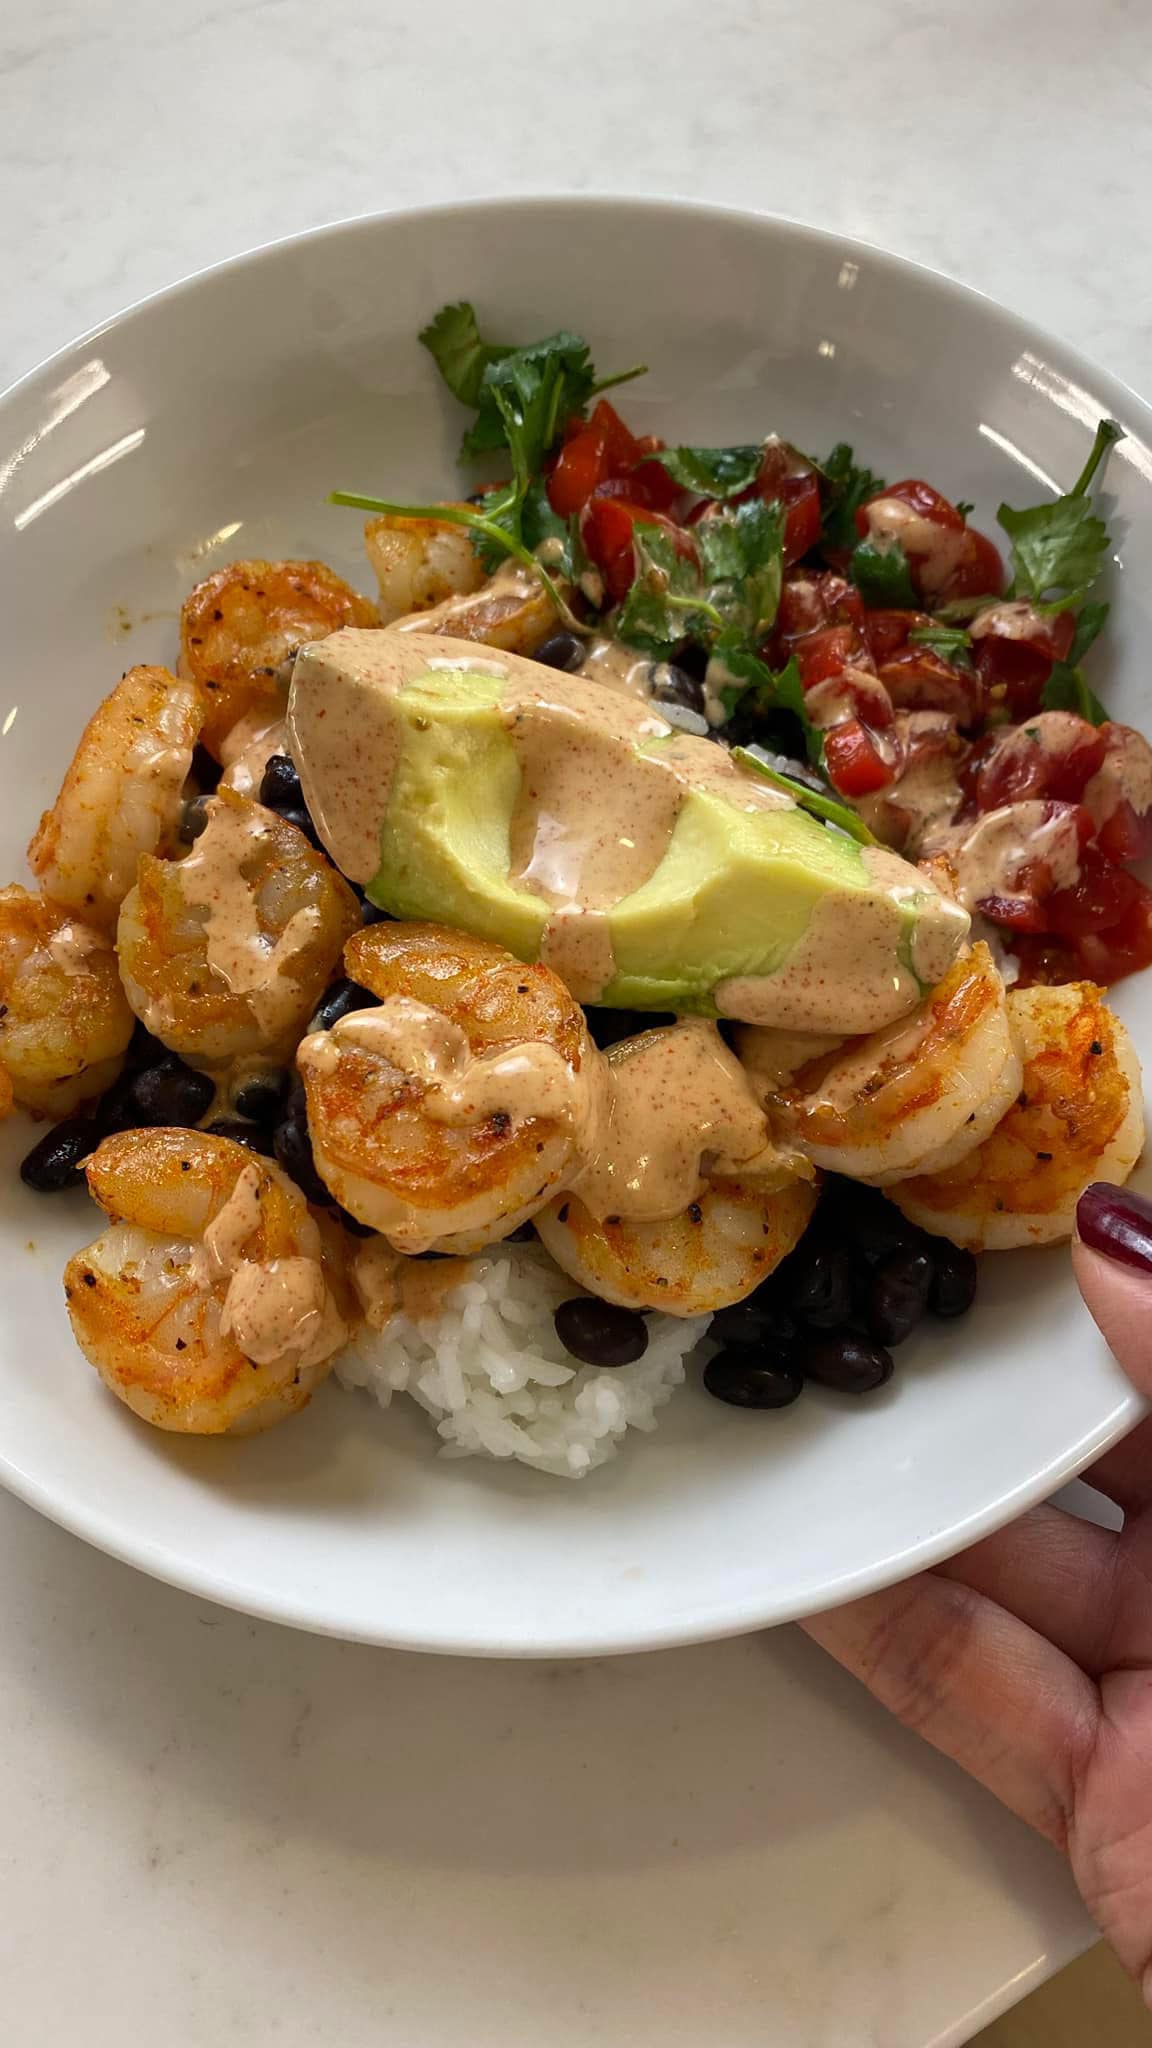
(567, 821)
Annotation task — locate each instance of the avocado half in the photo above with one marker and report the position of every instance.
(483, 791)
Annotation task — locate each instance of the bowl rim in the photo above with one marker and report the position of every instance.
(208, 1583)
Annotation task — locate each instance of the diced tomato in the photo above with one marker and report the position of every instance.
(851, 694)
(920, 497)
(594, 451)
(1015, 649)
(1124, 949)
(978, 571)
(1127, 834)
(856, 766)
(1045, 962)
(967, 566)
(1055, 754)
(786, 478)
(1102, 898)
(918, 679)
(1016, 913)
(1120, 794)
(606, 529)
(823, 654)
(887, 631)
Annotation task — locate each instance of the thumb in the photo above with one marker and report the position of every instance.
(1112, 1260)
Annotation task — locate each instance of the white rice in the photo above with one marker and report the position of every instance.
(491, 1371)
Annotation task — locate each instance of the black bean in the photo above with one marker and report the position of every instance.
(759, 1323)
(608, 1027)
(847, 1362)
(523, 1234)
(954, 1282)
(898, 1294)
(260, 1097)
(371, 913)
(242, 1133)
(353, 1225)
(298, 815)
(693, 660)
(746, 1380)
(337, 1001)
(193, 820)
(821, 1284)
(204, 772)
(167, 1093)
(672, 684)
(293, 1149)
(562, 650)
(280, 784)
(54, 1163)
(143, 1050)
(599, 1332)
(862, 1218)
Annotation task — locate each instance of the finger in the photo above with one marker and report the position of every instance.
(1060, 1575)
(978, 1684)
(1119, 1299)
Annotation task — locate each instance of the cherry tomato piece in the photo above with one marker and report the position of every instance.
(1125, 949)
(856, 766)
(920, 497)
(1056, 754)
(606, 529)
(979, 571)
(595, 450)
(887, 631)
(1102, 898)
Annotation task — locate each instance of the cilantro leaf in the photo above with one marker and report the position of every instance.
(1089, 625)
(742, 562)
(960, 611)
(1066, 690)
(527, 395)
(1058, 549)
(485, 522)
(823, 807)
(711, 472)
(453, 341)
(666, 602)
(846, 485)
(754, 686)
(951, 643)
(1055, 547)
(882, 576)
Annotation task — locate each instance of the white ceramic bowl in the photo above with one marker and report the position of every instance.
(211, 422)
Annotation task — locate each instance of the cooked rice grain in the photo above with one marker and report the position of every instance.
(493, 1374)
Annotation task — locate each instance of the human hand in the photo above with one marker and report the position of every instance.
(1028, 1659)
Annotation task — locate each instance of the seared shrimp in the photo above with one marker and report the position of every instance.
(512, 611)
(206, 1306)
(228, 951)
(916, 1096)
(447, 1115)
(64, 1018)
(419, 563)
(1078, 1117)
(121, 795)
(714, 1253)
(243, 621)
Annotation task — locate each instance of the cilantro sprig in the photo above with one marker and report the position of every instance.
(1058, 549)
(823, 807)
(522, 398)
(712, 472)
(845, 485)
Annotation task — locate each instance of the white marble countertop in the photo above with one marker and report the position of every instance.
(216, 1830)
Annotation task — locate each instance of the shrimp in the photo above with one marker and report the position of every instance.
(419, 563)
(1078, 1117)
(121, 795)
(914, 1097)
(242, 622)
(449, 1114)
(512, 611)
(64, 1018)
(207, 1305)
(228, 951)
(715, 1252)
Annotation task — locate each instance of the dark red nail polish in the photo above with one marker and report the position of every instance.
(1116, 1222)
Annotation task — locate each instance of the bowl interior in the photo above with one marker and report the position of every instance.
(212, 422)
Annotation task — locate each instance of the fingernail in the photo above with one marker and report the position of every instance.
(1116, 1222)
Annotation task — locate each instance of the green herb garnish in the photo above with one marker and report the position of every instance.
(711, 472)
(823, 807)
(845, 485)
(1058, 549)
(882, 576)
(951, 643)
